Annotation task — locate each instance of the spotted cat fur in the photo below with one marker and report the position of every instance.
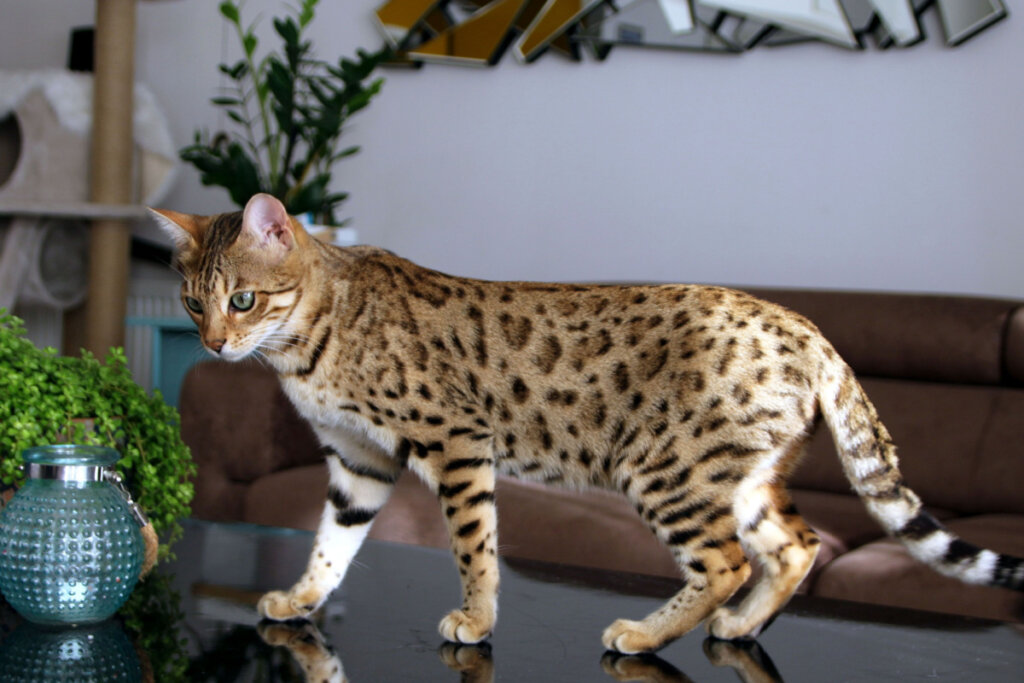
(694, 402)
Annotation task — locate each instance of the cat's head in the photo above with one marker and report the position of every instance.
(243, 275)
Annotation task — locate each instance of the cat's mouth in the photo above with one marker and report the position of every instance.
(224, 351)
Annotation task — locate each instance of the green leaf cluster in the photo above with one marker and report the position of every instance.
(154, 617)
(42, 394)
(287, 110)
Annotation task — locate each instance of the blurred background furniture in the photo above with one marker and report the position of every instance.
(79, 153)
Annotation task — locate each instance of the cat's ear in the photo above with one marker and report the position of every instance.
(182, 228)
(267, 221)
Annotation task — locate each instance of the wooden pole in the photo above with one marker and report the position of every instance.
(111, 178)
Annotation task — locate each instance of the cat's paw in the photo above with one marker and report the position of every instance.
(746, 657)
(307, 647)
(474, 662)
(630, 637)
(281, 606)
(647, 667)
(465, 657)
(275, 633)
(725, 624)
(460, 626)
(287, 634)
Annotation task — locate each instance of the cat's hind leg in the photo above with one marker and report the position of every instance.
(701, 534)
(361, 480)
(773, 532)
(710, 576)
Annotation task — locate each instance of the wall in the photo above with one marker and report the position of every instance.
(804, 166)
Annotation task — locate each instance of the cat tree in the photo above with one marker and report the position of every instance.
(80, 158)
(110, 241)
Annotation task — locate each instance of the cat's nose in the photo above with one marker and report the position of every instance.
(215, 345)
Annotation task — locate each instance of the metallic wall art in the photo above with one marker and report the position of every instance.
(479, 32)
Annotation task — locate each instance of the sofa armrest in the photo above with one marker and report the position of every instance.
(240, 426)
(1014, 359)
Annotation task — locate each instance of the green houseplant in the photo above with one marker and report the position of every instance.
(44, 398)
(287, 110)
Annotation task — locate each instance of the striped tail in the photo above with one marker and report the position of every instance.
(869, 459)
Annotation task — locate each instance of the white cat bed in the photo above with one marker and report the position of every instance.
(52, 110)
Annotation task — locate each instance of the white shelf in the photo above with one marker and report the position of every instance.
(81, 210)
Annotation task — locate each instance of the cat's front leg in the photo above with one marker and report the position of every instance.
(361, 480)
(462, 475)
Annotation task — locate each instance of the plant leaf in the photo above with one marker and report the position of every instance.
(345, 153)
(230, 11)
(288, 30)
(308, 197)
(249, 43)
(306, 13)
(234, 72)
(280, 82)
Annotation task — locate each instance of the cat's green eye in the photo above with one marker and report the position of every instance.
(242, 301)
(193, 305)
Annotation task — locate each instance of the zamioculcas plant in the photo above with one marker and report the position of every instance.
(288, 110)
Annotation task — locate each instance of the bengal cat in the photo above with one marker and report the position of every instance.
(694, 402)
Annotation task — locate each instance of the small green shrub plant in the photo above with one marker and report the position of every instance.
(45, 396)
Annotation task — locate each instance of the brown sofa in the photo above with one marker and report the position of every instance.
(946, 374)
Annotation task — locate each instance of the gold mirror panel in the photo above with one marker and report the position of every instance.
(478, 31)
(398, 18)
(563, 44)
(554, 19)
(477, 40)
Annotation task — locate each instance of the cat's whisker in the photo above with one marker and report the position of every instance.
(272, 336)
(276, 346)
(283, 341)
(261, 357)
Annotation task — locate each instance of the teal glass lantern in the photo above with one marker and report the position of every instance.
(70, 547)
(97, 653)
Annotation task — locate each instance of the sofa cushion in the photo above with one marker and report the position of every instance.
(842, 522)
(840, 519)
(295, 498)
(590, 528)
(243, 405)
(881, 334)
(239, 426)
(956, 444)
(412, 515)
(1015, 346)
(884, 573)
(292, 498)
(999, 471)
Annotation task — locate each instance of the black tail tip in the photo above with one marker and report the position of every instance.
(1009, 573)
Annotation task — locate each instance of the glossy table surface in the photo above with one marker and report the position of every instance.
(381, 625)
